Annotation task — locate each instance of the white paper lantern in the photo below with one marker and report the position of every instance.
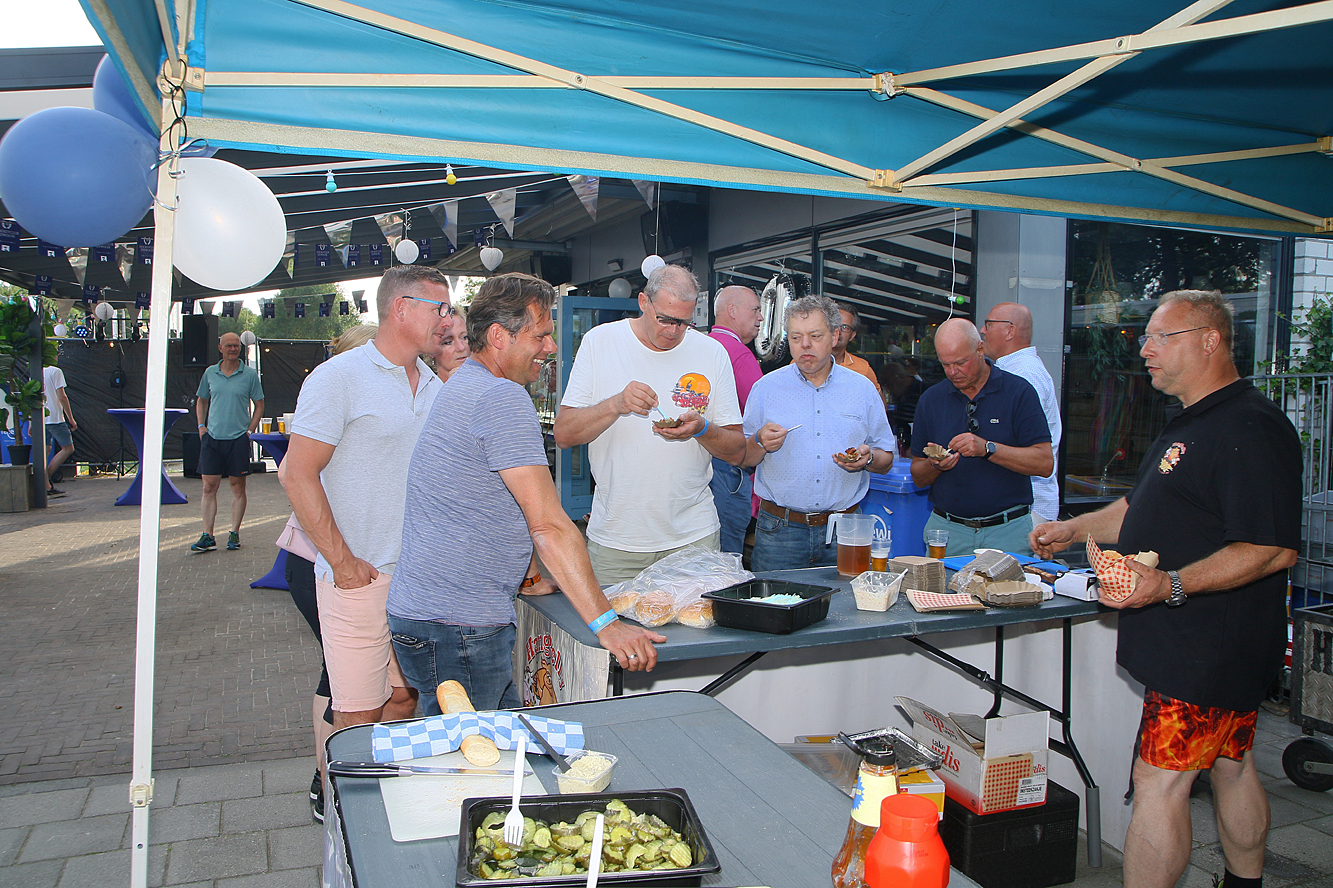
(407, 251)
(651, 264)
(104, 311)
(619, 289)
(247, 338)
(491, 257)
(61, 331)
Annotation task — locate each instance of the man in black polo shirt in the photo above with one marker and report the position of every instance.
(992, 422)
(1218, 497)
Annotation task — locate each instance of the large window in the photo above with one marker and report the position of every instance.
(1112, 412)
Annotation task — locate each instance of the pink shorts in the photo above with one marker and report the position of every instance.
(362, 668)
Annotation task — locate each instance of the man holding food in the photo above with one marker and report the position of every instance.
(1218, 499)
(481, 498)
(978, 439)
(655, 401)
(838, 430)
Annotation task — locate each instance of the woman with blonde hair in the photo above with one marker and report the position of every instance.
(454, 350)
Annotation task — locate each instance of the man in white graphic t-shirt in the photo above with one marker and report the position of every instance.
(652, 496)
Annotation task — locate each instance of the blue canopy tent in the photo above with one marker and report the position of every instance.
(1217, 115)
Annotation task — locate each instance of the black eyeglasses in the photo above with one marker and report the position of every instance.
(445, 309)
(972, 424)
(674, 322)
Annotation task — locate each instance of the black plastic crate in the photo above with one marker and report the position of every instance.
(733, 608)
(672, 805)
(1029, 848)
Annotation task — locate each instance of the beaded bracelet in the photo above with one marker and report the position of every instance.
(602, 622)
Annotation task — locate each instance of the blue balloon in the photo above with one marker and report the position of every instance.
(76, 177)
(112, 95)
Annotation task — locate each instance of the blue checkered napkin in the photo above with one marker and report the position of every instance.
(439, 734)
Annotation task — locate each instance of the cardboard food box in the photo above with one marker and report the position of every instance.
(926, 784)
(1008, 773)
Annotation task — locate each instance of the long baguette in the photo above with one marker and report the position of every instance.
(477, 749)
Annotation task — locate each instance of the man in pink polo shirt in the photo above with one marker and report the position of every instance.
(736, 323)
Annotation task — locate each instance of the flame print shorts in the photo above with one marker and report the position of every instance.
(1179, 736)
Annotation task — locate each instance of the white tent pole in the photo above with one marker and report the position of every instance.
(150, 509)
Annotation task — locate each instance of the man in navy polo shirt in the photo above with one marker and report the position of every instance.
(1218, 497)
(223, 403)
(992, 424)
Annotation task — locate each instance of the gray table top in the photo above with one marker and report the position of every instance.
(844, 622)
(771, 820)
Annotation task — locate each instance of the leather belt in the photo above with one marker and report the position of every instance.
(978, 523)
(809, 519)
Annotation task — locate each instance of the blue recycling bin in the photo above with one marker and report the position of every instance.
(896, 500)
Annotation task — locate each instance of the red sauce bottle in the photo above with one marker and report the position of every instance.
(907, 851)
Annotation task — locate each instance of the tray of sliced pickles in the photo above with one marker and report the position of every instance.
(650, 837)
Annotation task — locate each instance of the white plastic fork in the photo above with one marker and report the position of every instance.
(514, 819)
(595, 858)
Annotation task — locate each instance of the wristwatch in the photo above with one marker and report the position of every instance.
(991, 447)
(1177, 596)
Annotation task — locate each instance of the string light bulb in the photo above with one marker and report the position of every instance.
(329, 184)
(449, 176)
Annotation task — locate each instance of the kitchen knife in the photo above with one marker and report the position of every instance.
(392, 769)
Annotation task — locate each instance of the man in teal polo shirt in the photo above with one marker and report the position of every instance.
(226, 417)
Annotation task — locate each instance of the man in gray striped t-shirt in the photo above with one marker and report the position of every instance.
(479, 498)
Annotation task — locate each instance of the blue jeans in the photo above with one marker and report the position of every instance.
(477, 657)
(731, 495)
(781, 545)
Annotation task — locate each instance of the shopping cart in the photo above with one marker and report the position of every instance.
(1308, 762)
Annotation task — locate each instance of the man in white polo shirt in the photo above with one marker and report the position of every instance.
(357, 421)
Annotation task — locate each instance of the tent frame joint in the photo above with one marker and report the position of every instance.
(141, 794)
(886, 179)
(1325, 146)
(886, 85)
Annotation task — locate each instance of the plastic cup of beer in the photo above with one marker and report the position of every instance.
(282, 426)
(879, 554)
(266, 426)
(937, 542)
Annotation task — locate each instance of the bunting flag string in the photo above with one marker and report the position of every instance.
(586, 187)
(298, 310)
(268, 309)
(78, 260)
(9, 236)
(648, 191)
(143, 253)
(502, 202)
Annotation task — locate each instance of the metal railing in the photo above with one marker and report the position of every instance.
(1307, 400)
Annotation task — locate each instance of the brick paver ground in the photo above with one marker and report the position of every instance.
(235, 666)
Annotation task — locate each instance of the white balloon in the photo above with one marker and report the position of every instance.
(651, 264)
(247, 337)
(491, 257)
(619, 289)
(407, 251)
(230, 230)
(61, 331)
(104, 311)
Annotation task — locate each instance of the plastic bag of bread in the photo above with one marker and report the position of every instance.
(1117, 579)
(672, 589)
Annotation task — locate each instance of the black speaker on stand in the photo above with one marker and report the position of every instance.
(199, 341)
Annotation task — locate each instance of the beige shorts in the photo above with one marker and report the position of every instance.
(355, 628)
(612, 566)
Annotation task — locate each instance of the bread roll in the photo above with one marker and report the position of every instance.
(623, 603)
(478, 750)
(698, 613)
(655, 608)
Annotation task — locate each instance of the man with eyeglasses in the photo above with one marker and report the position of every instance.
(992, 426)
(1007, 336)
(846, 332)
(357, 419)
(652, 496)
(1218, 497)
(806, 478)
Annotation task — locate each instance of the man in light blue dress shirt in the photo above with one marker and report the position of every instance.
(827, 410)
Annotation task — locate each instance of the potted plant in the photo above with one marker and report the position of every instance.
(24, 394)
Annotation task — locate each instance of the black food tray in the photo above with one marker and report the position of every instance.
(733, 608)
(672, 805)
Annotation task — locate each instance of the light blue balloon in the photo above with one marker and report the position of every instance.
(76, 177)
(111, 95)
